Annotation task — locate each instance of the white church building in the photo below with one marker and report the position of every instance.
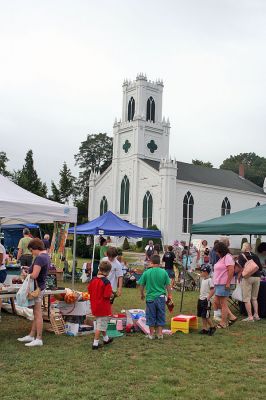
(145, 187)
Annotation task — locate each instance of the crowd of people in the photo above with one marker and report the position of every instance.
(219, 271)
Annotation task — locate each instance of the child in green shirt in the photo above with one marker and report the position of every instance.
(156, 281)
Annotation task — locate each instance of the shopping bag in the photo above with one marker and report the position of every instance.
(22, 294)
(237, 293)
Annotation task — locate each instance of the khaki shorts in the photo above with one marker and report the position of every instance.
(101, 323)
(250, 288)
(40, 297)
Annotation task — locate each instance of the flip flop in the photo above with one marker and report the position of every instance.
(232, 321)
(219, 326)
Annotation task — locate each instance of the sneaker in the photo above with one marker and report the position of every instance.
(256, 317)
(96, 347)
(35, 342)
(212, 331)
(108, 341)
(26, 338)
(248, 319)
(151, 337)
(160, 337)
(204, 332)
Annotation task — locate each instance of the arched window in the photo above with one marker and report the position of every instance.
(150, 115)
(188, 204)
(147, 210)
(103, 206)
(124, 196)
(226, 207)
(131, 109)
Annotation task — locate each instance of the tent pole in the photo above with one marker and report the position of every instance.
(93, 251)
(74, 253)
(184, 276)
(250, 240)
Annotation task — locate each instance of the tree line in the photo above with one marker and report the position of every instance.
(95, 154)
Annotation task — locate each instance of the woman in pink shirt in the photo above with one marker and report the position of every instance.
(222, 277)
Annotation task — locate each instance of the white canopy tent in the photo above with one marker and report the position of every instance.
(17, 206)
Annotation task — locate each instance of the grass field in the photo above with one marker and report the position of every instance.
(229, 365)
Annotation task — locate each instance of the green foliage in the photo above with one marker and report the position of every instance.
(139, 244)
(202, 163)
(55, 193)
(126, 244)
(244, 240)
(145, 241)
(255, 166)
(66, 184)
(28, 178)
(82, 205)
(95, 154)
(3, 161)
(83, 250)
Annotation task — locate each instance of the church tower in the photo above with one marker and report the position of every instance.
(142, 132)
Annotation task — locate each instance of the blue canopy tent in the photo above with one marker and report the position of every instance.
(13, 233)
(111, 225)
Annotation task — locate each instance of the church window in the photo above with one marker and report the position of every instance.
(226, 207)
(147, 210)
(103, 206)
(124, 196)
(188, 205)
(131, 109)
(152, 146)
(150, 115)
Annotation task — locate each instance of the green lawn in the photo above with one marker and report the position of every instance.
(229, 365)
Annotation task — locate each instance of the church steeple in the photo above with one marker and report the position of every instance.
(142, 132)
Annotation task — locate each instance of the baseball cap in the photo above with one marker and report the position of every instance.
(205, 268)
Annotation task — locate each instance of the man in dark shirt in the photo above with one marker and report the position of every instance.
(168, 259)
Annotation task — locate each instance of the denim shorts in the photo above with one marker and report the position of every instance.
(155, 312)
(221, 291)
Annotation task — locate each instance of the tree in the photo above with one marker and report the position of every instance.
(66, 184)
(95, 154)
(28, 178)
(3, 161)
(255, 166)
(204, 164)
(55, 196)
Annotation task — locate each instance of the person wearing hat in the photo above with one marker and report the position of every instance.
(204, 301)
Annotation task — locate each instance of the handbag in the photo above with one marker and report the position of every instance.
(237, 293)
(250, 268)
(34, 293)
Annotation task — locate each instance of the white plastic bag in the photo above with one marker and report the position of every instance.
(22, 294)
(237, 293)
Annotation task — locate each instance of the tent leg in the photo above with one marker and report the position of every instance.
(74, 254)
(184, 277)
(250, 239)
(93, 251)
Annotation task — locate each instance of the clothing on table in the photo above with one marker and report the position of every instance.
(250, 256)
(155, 280)
(44, 261)
(100, 291)
(168, 259)
(115, 273)
(220, 273)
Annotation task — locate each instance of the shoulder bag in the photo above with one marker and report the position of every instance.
(35, 293)
(250, 267)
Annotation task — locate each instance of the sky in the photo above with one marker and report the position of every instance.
(63, 62)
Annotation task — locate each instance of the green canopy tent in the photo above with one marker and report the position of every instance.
(251, 221)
